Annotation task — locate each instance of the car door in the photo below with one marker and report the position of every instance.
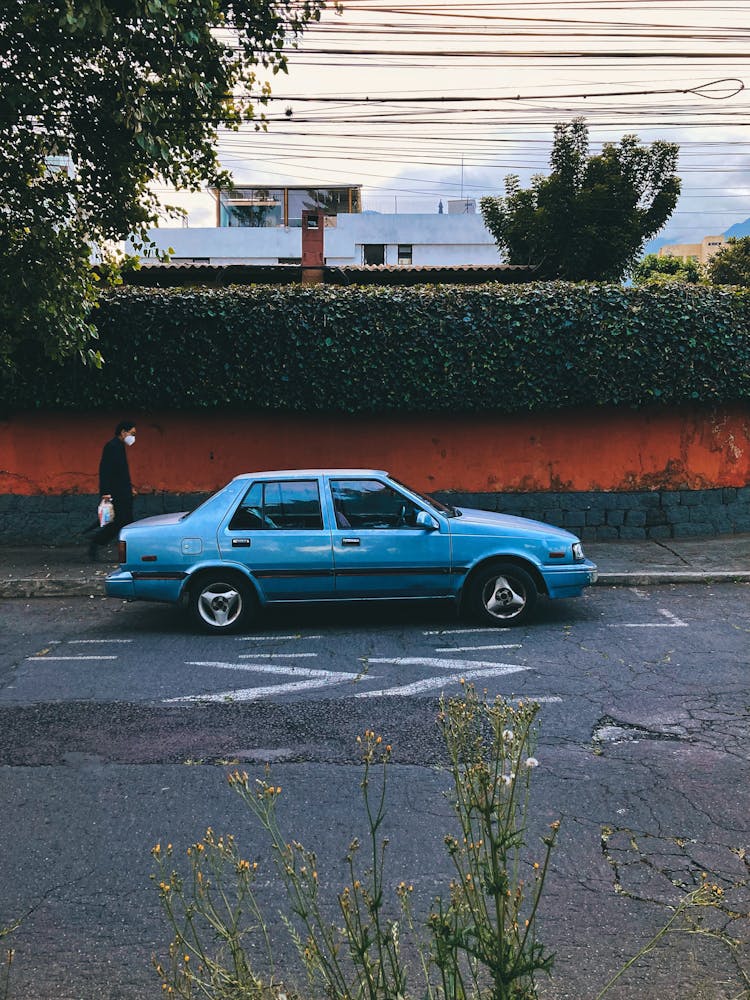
(379, 550)
(277, 532)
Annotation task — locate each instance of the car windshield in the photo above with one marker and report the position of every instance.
(442, 508)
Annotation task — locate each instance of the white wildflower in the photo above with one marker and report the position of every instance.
(531, 762)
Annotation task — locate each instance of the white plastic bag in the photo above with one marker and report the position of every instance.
(106, 512)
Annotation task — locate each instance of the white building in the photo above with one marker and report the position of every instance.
(264, 227)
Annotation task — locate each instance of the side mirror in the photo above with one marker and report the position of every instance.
(425, 520)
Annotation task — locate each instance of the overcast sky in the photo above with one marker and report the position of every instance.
(626, 65)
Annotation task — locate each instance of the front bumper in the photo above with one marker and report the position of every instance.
(570, 580)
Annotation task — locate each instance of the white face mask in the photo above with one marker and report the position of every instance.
(129, 439)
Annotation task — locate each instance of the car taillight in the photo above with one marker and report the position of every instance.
(122, 551)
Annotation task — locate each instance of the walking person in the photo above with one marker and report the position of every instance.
(115, 485)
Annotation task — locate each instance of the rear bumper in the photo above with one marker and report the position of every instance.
(124, 584)
(119, 584)
(570, 581)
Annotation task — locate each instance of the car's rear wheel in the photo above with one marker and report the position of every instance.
(221, 603)
(502, 594)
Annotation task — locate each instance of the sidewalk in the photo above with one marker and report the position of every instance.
(67, 572)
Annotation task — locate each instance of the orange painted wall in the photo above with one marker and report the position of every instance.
(594, 449)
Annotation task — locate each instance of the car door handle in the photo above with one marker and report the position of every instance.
(240, 543)
(350, 541)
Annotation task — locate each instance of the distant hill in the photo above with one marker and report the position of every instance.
(739, 229)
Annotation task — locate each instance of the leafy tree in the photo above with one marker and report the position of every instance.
(589, 219)
(653, 269)
(731, 264)
(129, 93)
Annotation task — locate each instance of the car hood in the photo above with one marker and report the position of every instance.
(489, 522)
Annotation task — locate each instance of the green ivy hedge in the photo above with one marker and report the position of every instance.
(419, 349)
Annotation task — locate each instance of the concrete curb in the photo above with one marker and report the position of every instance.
(661, 576)
(52, 588)
(94, 586)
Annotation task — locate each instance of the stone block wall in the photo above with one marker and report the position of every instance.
(606, 516)
(594, 516)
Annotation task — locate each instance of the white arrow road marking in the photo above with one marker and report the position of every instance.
(469, 649)
(315, 679)
(445, 664)
(674, 622)
(430, 683)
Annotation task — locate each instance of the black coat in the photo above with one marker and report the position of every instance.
(114, 474)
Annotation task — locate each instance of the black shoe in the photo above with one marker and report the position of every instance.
(93, 552)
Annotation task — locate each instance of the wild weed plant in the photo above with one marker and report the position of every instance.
(479, 939)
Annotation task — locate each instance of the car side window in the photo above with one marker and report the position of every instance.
(290, 505)
(293, 505)
(249, 514)
(368, 503)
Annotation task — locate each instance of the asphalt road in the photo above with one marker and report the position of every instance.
(118, 724)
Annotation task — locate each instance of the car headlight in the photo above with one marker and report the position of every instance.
(578, 552)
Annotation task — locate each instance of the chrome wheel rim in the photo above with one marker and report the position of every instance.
(219, 605)
(503, 597)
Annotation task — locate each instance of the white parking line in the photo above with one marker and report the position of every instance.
(432, 683)
(469, 649)
(458, 631)
(91, 642)
(280, 656)
(674, 622)
(269, 638)
(71, 657)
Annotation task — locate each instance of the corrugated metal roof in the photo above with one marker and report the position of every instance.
(179, 274)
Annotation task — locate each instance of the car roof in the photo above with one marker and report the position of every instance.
(307, 473)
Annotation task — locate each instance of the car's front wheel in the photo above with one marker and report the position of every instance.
(502, 594)
(221, 603)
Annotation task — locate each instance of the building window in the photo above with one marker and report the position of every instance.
(404, 253)
(255, 208)
(373, 253)
(260, 207)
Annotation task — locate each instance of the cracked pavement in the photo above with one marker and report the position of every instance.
(643, 752)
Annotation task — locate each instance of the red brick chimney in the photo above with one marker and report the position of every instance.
(313, 227)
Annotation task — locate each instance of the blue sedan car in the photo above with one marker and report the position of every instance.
(342, 535)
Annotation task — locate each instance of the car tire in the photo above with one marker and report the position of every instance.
(502, 594)
(221, 603)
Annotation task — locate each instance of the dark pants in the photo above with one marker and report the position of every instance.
(123, 515)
